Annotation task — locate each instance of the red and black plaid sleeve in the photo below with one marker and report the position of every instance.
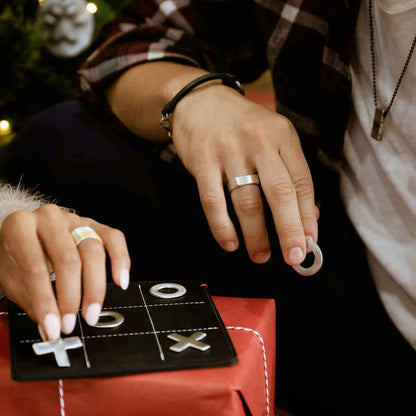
(215, 35)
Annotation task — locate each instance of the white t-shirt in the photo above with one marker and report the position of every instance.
(378, 180)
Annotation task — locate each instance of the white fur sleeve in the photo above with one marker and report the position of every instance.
(16, 198)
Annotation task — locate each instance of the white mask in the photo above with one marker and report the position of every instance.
(69, 26)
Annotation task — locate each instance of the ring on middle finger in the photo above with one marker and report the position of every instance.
(240, 181)
(84, 233)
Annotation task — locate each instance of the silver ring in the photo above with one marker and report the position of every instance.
(117, 320)
(84, 233)
(240, 181)
(178, 290)
(317, 264)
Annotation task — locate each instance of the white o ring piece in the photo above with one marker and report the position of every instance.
(117, 320)
(317, 264)
(156, 290)
(84, 233)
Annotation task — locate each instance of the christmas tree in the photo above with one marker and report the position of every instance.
(38, 70)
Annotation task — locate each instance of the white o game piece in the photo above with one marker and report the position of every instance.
(178, 290)
(117, 320)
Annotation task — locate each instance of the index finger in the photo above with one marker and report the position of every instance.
(280, 193)
(30, 260)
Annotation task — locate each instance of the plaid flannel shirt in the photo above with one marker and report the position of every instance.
(304, 43)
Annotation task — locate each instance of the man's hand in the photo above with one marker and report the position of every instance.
(35, 244)
(219, 134)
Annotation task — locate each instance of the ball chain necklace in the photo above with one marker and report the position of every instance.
(380, 113)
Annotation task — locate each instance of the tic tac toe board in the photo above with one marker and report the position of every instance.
(145, 341)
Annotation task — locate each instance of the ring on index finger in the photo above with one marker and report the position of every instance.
(240, 181)
(84, 233)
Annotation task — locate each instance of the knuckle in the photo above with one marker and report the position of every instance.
(34, 269)
(249, 206)
(69, 260)
(49, 210)
(210, 202)
(285, 124)
(303, 186)
(72, 217)
(309, 217)
(282, 191)
(254, 134)
(15, 219)
(116, 235)
(292, 232)
(219, 228)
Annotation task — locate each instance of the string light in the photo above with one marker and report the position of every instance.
(5, 127)
(6, 133)
(91, 8)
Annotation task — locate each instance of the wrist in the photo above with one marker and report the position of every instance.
(227, 80)
(182, 76)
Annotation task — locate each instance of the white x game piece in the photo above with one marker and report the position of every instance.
(184, 343)
(58, 347)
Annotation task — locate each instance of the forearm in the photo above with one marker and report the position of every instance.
(139, 94)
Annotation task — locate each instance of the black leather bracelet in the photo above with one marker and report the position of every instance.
(228, 80)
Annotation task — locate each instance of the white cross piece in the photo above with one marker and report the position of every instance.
(58, 347)
(184, 343)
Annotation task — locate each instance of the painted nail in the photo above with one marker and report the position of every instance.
(124, 279)
(296, 256)
(52, 326)
(42, 333)
(68, 323)
(93, 314)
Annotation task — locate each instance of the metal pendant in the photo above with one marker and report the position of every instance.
(378, 124)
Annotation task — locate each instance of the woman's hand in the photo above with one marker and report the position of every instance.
(219, 134)
(35, 244)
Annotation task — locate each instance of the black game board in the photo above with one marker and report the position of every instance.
(139, 344)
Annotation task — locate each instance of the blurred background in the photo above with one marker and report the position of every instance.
(36, 71)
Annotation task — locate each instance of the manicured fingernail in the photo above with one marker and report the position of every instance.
(124, 279)
(261, 256)
(68, 323)
(42, 333)
(93, 314)
(52, 326)
(296, 256)
(230, 246)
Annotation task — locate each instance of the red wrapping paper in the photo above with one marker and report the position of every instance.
(246, 388)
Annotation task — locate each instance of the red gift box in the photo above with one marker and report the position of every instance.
(246, 388)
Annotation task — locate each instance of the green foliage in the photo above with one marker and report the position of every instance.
(31, 79)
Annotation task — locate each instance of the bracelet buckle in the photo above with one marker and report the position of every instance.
(164, 123)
